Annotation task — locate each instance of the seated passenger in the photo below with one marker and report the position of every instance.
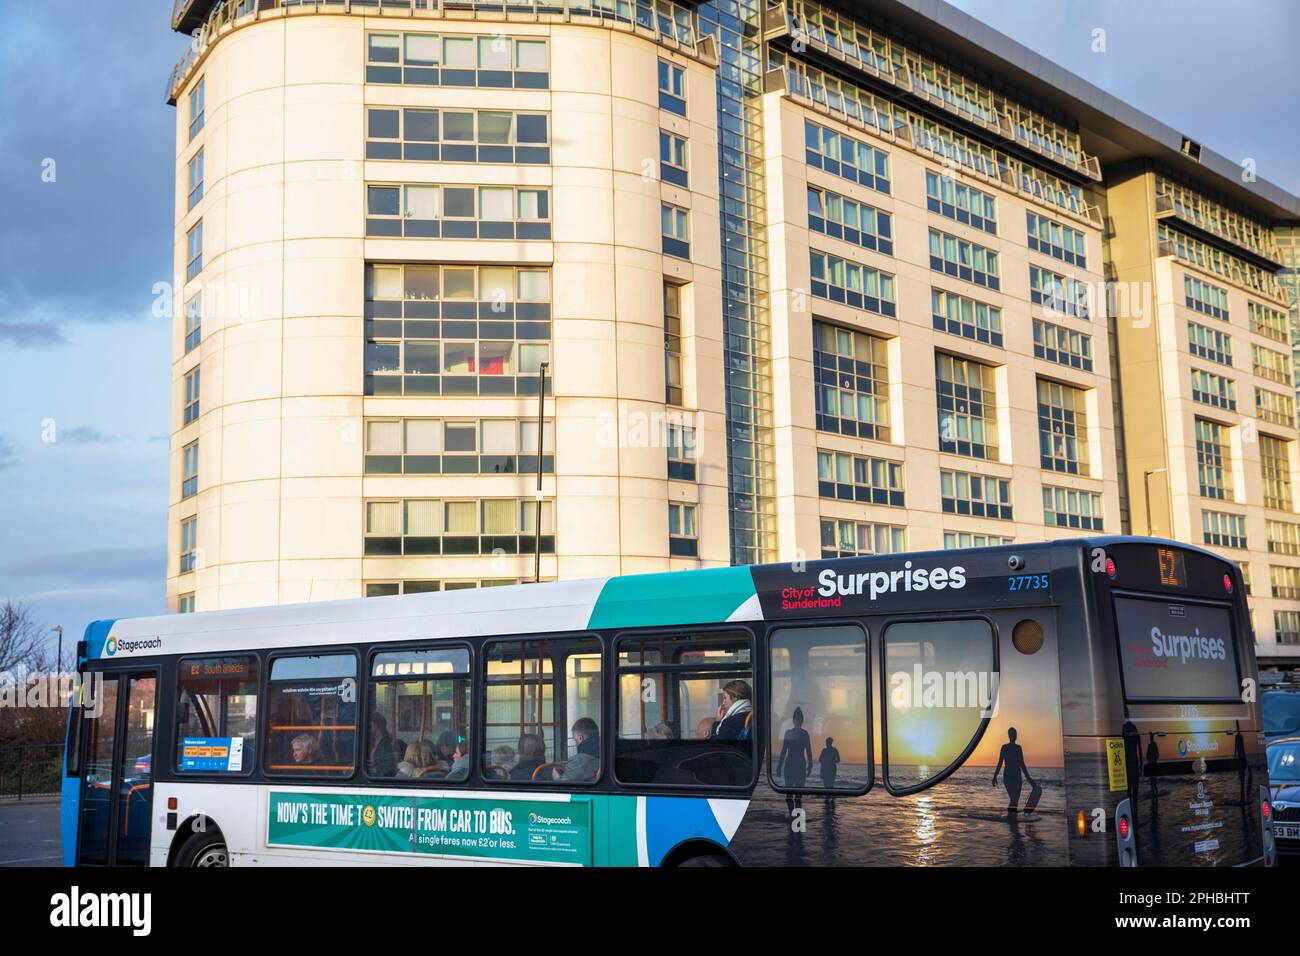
(660, 731)
(532, 754)
(584, 765)
(704, 729)
(460, 767)
(736, 705)
(306, 752)
(504, 759)
(419, 757)
(380, 760)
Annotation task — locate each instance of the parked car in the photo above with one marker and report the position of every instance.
(1281, 713)
(1284, 784)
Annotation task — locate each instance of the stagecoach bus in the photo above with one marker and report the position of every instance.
(1082, 702)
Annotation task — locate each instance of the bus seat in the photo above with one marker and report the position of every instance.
(545, 766)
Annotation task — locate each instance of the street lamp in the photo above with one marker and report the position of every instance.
(59, 665)
(1146, 490)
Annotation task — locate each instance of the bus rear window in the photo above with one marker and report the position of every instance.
(1175, 651)
(312, 729)
(216, 714)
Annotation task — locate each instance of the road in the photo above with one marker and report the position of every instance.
(29, 834)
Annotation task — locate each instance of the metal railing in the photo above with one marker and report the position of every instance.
(29, 771)
(669, 23)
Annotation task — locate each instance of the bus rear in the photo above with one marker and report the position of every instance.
(1165, 761)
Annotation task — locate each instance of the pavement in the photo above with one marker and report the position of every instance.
(29, 833)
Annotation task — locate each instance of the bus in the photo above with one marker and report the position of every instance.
(1076, 702)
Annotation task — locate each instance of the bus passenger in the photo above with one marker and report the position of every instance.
(504, 760)
(583, 766)
(380, 761)
(660, 731)
(305, 750)
(704, 729)
(460, 767)
(419, 756)
(532, 754)
(736, 706)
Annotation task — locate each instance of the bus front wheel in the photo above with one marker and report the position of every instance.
(203, 849)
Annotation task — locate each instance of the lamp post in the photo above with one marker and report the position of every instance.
(1146, 491)
(59, 665)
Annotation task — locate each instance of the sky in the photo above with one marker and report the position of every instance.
(86, 238)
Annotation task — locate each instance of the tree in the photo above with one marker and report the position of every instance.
(21, 638)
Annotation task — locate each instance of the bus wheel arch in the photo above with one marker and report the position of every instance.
(696, 852)
(194, 847)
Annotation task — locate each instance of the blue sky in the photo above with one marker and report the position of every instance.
(83, 518)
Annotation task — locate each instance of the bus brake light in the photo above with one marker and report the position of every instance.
(1227, 583)
(1266, 810)
(1123, 828)
(1110, 568)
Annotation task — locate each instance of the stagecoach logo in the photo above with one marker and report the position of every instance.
(1190, 746)
(536, 818)
(111, 646)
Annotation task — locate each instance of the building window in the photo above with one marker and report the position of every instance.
(1071, 508)
(1286, 627)
(458, 136)
(486, 62)
(965, 204)
(1056, 343)
(196, 108)
(850, 539)
(1285, 582)
(1274, 366)
(1283, 537)
(189, 543)
(185, 604)
(1270, 323)
(190, 410)
(1275, 466)
(1224, 530)
(672, 343)
(968, 539)
(674, 223)
(1062, 428)
(458, 212)
(428, 526)
(194, 251)
(193, 322)
(845, 477)
(1213, 460)
(846, 157)
(196, 179)
(1205, 298)
(683, 538)
(833, 215)
(980, 496)
(1209, 344)
(968, 418)
(958, 315)
(189, 470)
(431, 446)
(682, 454)
(964, 260)
(672, 159)
(456, 330)
(1275, 408)
(389, 588)
(852, 382)
(1059, 241)
(1058, 294)
(672, 88)
(1215, 390)
(861, 287)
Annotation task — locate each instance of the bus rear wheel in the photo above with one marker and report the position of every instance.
(203, 849)
(707, 859)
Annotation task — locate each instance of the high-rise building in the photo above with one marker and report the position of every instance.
(801, 279)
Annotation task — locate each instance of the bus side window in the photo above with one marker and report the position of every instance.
(940, 685)
(542, 712)
(685, 709)
(216, 714)
(820, 726)
(418, 721)
(312, 726)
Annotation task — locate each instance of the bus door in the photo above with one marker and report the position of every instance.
(117, 771)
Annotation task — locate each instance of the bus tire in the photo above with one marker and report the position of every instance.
(707, 859)
(203, 850)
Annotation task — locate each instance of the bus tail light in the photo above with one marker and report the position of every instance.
(1124, 838)
(1081, 824)
(1111, 570)
(1266, 810)
(171, 803)
(1123, 828)
(1227, 583)
(1266, 818)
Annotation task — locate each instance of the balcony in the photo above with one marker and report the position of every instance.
(669, 24)
(1227, 228)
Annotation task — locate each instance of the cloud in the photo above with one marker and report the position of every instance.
(100, 565)
(33, 335)
(85, 435)
(8, 454)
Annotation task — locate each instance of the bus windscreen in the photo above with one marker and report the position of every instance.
(1173, 651)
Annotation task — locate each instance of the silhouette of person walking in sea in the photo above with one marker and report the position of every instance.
(796, 758)
(1149, 770)
(1014, 759)
(830, 764)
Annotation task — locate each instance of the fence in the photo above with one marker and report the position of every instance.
(28, 771)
